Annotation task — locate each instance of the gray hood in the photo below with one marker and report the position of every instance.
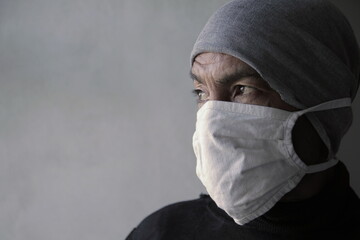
(305, 49)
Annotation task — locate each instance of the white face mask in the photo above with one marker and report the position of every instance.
(245, 156)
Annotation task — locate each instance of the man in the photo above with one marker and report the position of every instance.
(274, 81)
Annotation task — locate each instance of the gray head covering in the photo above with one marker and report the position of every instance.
(305, 49)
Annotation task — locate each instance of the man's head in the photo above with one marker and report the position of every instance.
(304, 50)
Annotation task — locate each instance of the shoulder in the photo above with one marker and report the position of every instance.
(176, 214)
(172, 220)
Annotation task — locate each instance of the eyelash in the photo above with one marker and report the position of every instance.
(196, 92)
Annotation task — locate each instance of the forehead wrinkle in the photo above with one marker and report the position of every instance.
(221, 68)
(238, 75)
(229, 78)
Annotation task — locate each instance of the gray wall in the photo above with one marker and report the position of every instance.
(97, 116)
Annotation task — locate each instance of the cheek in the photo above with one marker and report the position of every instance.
(277, 102)
(255, 98)
(267, 99)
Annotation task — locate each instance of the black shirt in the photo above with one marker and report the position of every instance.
(332, 214)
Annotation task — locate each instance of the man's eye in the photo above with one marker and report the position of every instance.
(243, 90)
(201, 96)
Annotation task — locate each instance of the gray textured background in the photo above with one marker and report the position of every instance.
(97, 116)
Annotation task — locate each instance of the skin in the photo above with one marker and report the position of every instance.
(222, 77)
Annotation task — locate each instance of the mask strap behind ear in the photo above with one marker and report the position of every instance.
(322, 166)
(338, 103)
(319, 128)
(334, 104)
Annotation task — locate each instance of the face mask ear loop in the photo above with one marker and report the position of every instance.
(322, 166)
(321, 132)
(339, 103)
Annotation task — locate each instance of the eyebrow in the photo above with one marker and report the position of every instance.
(229, 78)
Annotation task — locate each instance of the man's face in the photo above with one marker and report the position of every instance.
(222, 77)
(225, 78)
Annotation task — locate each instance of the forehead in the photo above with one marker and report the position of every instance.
(219, 65)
